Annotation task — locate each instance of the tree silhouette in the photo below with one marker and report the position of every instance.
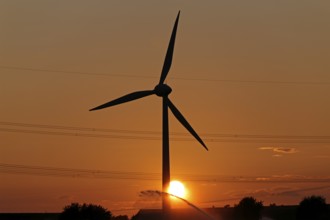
(76, 211)
(313, 208)
(120, 217)
(248, 209)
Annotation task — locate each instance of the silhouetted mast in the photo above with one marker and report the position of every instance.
(161, 90)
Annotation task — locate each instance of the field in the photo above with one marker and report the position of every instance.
(271, 212)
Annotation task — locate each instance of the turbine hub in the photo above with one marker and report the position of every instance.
(162, 90)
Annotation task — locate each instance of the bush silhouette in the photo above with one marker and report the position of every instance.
(76, 211)
(248, 209)
(313, 208)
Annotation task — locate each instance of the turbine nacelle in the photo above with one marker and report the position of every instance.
(162, 90)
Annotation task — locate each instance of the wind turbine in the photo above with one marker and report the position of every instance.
(161, 90)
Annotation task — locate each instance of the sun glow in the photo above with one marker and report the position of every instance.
(177, 188)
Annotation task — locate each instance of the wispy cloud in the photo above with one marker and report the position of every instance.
(279, 151)
(286, 191)
(66, 197)
(298, 191)
(322, 156)
(293, 191)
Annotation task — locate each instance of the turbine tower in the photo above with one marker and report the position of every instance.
(161, 90)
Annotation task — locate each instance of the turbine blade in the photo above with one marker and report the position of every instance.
(169, 53)
(184, 122)
(125, 98)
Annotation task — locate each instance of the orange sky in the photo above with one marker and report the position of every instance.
(240, 68)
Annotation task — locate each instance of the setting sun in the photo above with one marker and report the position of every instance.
(176, 188)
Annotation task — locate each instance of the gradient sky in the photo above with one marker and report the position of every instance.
(240, 68)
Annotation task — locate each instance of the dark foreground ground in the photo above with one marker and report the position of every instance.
(273, 213)
(29, 216)
(269, 212)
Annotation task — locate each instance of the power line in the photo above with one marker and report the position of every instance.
(61, 130)
(76, 128)
(159, 138)
(177, 78)
(107, 130)
(72, 134)
(68, 172)
(75, 72)
(125, 175)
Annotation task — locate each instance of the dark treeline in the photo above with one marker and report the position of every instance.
(249, 208)
(75, 211)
